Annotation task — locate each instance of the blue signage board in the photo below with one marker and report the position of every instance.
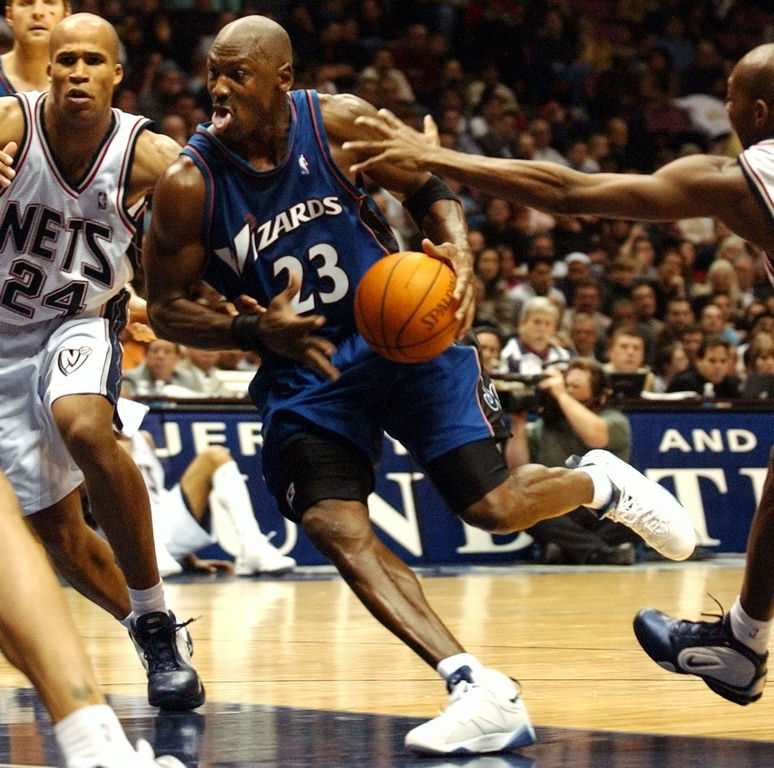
(713, 460)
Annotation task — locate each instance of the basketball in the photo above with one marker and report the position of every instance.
(404, 307)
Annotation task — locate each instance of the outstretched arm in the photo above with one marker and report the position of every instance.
(175, 261)
(697, 185)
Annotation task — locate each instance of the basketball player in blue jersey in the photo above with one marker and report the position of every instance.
(67, 219)
(32, 612)
(730, 654)
(262, 203)
(25, 66)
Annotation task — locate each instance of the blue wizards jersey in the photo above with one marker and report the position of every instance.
(305, 216)
(302, 216)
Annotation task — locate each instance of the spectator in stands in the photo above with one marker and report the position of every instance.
(670, 282)
(490, 343)
(586, 301)
(721, 278)
(182, 516)
(709, 376)
(619, 282)
(502, 138)
(158, 374)
(712, 321)
(495, 303)
(584, 338)
(498, 227)
(670, 360)
(383, 66)
(577, 419)
(200, 366)
(626, 354)
(540, 130)
(760, 354)
(691, 338)
(577, 268)
(677, 316)
(534, 348)
(539, 282)
(645, 308)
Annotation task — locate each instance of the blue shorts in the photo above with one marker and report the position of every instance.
(431, 408)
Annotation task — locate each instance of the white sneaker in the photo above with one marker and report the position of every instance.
(646, 507)
(487, 715)
(142, 757)
(261, 557)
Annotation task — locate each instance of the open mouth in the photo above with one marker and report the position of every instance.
(221, 118)
(77, 95)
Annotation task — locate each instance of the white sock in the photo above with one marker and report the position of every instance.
(147, 600)
(752, 632)
(448, 666)
(228, 487)
(89, 735)
(603, 488)
(127, 621)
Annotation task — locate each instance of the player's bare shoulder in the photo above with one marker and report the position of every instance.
(153, 154)
(339, 112)
(11, 120)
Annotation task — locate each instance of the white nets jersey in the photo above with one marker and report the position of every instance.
(757, 164)
(66, 249)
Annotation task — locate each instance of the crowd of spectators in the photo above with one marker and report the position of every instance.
(598, 85)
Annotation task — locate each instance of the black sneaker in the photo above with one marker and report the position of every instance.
(706, 649)
(165, 647)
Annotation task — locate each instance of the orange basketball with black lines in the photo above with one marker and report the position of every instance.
(404, 307)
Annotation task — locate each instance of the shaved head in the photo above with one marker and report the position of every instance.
(257, 36)
(755, 73)
(86, 25)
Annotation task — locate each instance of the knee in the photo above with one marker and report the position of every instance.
(502, 510)
(338, 530)
(85, 437)
(215, 456)
(488, 514)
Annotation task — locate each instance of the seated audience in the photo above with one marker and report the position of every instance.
(670, 360)
(709, 376)
(626, 354)
(158, 374)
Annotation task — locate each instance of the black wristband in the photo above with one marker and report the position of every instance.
(244, 331)
(431, 191)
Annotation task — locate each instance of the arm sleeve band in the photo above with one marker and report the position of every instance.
(431, 191)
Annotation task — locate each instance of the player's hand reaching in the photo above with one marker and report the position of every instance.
(7, 172)
(460, 260)
(291, 335)
(401, 146)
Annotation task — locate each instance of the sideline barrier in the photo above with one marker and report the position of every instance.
(712, 456)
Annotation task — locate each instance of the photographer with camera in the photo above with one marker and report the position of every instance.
(573, 418)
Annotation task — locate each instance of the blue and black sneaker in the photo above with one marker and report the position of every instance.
(707, 649)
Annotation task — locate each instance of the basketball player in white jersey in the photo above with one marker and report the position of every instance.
(67, 220)
(730, 653)
(212, 479)
(32, 611)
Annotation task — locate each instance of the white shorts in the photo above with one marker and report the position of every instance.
(39, 364)
(175, 528)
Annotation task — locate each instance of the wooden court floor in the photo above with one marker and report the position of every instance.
(299, 674)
